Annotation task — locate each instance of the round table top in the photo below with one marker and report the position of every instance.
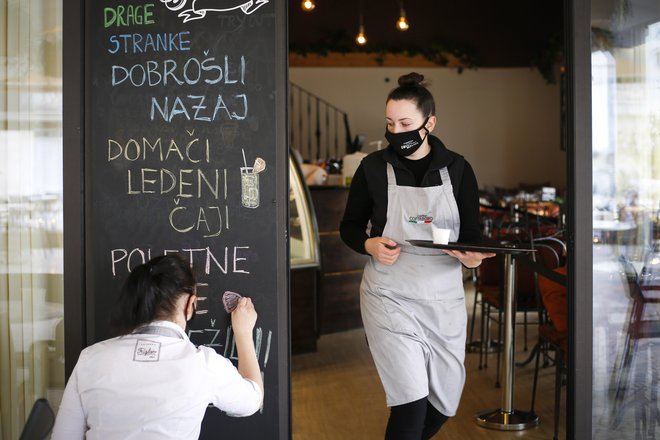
(612, 225)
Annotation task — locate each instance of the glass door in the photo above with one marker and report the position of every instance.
(625, 80)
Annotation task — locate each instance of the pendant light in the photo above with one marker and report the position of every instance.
(361, 38)
(308, 5)
(402, 23)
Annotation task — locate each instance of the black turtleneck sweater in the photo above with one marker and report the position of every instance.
(418, 167)
(367, 199)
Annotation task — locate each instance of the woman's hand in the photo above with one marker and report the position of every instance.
(470, 259)
(384, 250)
(244, 317)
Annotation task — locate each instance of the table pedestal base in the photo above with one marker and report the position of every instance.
(507, 421)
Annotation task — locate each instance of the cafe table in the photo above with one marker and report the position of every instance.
(505, 418)
(611, 229)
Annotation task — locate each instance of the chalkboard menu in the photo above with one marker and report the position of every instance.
(185, 151)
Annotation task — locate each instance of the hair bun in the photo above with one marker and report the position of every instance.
(411, 79)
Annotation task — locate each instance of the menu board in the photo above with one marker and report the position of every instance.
(185, 152)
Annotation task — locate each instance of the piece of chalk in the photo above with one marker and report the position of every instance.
(230, 300)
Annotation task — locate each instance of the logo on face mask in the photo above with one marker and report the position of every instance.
(406, 143)
(409, 144)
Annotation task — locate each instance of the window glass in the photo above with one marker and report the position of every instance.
(626, 218)
(31, 312)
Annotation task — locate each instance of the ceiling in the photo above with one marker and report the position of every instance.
(499, 33)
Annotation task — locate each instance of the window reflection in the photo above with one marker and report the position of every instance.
(626, 203)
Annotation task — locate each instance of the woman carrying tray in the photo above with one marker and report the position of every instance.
(411, 298)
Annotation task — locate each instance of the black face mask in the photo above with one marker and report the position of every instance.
(407, 142)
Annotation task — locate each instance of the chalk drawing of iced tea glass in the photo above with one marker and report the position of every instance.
(249, 187)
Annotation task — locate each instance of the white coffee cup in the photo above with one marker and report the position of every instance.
(440, 235)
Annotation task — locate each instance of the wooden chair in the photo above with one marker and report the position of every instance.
(488, 284)
(553, 335)
(487, 277)
(527, 301)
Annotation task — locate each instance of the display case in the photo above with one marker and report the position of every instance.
(341, 270)
(305, 263)
(303, 231)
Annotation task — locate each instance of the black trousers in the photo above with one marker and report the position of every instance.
(414, 421)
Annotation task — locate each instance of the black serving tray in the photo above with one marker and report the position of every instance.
(502, 248)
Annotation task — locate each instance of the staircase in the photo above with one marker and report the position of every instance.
(318, 129)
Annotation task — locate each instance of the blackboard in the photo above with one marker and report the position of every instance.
(181, 98)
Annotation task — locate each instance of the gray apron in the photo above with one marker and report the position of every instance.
(414, 311)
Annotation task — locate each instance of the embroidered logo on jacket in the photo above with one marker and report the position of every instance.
(420, 218)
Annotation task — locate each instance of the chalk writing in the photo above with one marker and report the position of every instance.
(128, 15)
(194, 151)
(185, 183)
(195, 108)
(226, 260)
(260, 347)
(147, 43)
(201, 299)
(171, 108)
(172, 72)
(194, 71)
(177, 182)
(210, 220)
(237, 21)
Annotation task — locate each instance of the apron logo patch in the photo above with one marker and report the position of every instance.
(421, 218)
(146, 351)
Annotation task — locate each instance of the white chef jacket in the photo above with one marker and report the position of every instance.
(150, 386)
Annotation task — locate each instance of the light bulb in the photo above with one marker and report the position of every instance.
(402, 23)
(361, 39)
(308, 5)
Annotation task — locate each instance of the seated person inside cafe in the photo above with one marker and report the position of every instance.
(152, 382)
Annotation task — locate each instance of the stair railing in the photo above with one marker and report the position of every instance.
(318, 129)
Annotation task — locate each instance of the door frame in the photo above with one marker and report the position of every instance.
(577, 19)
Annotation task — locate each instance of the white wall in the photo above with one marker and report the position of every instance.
(505, 121)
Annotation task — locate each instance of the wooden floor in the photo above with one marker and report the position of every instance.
(336, 394)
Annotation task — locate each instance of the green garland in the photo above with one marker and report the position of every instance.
(545, 59)
(437, 53)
